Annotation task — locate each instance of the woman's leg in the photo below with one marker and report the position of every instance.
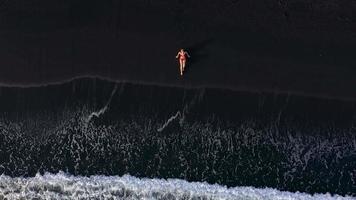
(184, 65)
(181, 66)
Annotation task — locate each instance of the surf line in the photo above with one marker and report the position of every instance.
(181, 114)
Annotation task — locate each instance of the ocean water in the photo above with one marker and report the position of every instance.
(65, 186)
(82, 139)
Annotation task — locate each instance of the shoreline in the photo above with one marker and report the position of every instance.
(182, 86)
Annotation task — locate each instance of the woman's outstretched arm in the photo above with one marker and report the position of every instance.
(187, 54)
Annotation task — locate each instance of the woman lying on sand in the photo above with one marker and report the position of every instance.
(182, 60)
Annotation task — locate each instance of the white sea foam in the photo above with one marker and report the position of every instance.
(64, 186)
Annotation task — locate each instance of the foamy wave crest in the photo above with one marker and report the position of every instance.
(64, 186)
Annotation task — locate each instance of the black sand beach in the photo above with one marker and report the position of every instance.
(291, 47)
(92, 88)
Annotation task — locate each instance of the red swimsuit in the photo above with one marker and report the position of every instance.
(182, 56)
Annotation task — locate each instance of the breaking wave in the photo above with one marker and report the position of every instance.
(65, 186)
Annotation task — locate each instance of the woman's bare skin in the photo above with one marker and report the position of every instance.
(182, 60)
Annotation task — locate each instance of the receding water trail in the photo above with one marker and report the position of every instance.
(169, 121)
(106, 106)
(196, 99)
(103, 109)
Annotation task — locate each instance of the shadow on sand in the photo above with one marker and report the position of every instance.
(198, 52)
